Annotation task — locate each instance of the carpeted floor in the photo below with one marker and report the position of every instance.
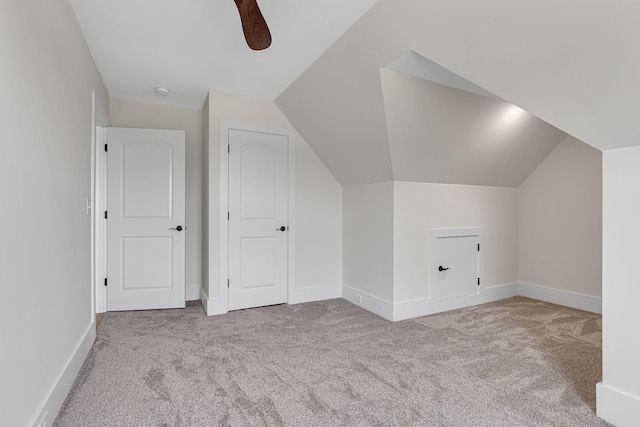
(515, 362)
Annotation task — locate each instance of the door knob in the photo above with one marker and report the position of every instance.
(283, 228)
(441, 268)
(178, 228)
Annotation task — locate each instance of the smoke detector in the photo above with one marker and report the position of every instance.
(162, 91)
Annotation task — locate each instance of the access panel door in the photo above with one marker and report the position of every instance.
(457, 267)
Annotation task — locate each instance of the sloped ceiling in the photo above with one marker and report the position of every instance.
(573, 64)
(570, 63)
(418, 66)
(193, 46)
(447, 135)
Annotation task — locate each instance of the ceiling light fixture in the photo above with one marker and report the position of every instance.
(512, 113)
(162, 91)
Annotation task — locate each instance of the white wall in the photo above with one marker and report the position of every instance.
(560, 221)
(137, 114)
(419, 207)
(620, 283)
(318, 221)
(46, 78)
(318, 196)
(368, 238)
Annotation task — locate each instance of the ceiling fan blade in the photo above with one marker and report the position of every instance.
(255, 29)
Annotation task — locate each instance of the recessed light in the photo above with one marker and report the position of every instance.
(162, 91)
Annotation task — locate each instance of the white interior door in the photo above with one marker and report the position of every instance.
(258, 219)
(146, 219)
(457, 264)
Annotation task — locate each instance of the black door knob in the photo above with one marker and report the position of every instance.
(283, 228)
(178, 228)
(441, 268)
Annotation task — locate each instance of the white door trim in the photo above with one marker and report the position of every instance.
(99, 122)
(436, 233)
(225, 127)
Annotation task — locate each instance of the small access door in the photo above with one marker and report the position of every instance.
(258, 218)
(146, 219)
(456, 270)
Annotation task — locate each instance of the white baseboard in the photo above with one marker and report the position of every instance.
(566, 298)
(59, 390)
(369, 302)
(425, 306)
(212, 306)
(422, 307)
(215, 306)
(192, 293)
(616, 407)
(315, 293)
(204, 299)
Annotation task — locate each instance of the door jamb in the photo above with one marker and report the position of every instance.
(99, 122)
(225, 127)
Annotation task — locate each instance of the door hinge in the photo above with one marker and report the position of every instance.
(227, 283)
(105, 215)
(478, 281)
(228, 216)
(228, 148)
(478, 247)
(105, 147)
(105, 281)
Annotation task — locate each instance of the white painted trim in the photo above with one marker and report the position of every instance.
(192, 292)
(213, 306)
(59, 390)
(426, 306)
(100, 205)
(560, 297)
(436, 233)
(367, 301)
(222, 303)
(204, 299)
(315, 293)
(99, 121)
(617, 407)
(224, 223)
(291, 232)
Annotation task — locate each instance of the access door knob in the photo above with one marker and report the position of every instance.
(283, 228)
(178, 228)
(441, 268)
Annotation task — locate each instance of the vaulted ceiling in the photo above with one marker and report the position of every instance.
(192, 46)
(572, 64)
(438, 133)
(395, 89)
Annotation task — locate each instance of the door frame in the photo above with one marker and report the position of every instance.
(225, 127)
(99, 122)
(435, 234)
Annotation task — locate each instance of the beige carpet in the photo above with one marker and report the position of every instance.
(516, 362)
